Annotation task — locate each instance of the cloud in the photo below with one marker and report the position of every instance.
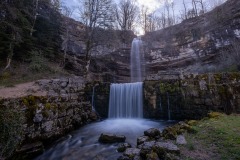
(152, 5)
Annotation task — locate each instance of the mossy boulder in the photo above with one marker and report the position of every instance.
(152, 133)
(123, 146)
(111, 138)
(214, 115)
(192, 122)
(152, 156)
(132, 152)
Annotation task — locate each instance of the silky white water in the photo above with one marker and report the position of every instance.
(137, 61)
(126, 100)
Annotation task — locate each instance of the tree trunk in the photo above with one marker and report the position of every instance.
(9, 59)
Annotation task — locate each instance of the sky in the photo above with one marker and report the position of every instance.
(152, 5)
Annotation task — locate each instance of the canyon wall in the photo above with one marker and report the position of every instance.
(33, 122)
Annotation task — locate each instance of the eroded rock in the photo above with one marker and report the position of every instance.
(122, 147)
(111, 138)
(166, 147)
(152, 132)
(132, 152)
(142, 139)
(181, 140)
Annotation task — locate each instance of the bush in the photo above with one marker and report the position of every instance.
(38, 62)
(11, 130)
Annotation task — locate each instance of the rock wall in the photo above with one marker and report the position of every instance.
(45, 118)
(174, 96)
(192, 96)
(195, 44)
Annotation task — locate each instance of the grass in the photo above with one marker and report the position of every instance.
(217, 139)
(21, 73)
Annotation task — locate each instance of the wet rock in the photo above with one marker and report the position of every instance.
(152, 132)
(47, 126)
(124, 158)
(93, 116)
(181, 140)
(122, 147)
(152, 156)
(111, 138)
(38, 118)
(29, 151)
(142, 139)
(170, 133)
(169, 156)
(146, 148)
(132, 152)
(166, 147)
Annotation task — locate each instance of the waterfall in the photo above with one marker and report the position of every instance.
(126, 100)
(137, 61)
(168, 103)
(93, 93)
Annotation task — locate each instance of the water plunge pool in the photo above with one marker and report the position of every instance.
(83, 144)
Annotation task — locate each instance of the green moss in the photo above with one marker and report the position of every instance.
(192, 122)
(214, 115)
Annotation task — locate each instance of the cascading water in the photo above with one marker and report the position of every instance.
(137, 61)
(126, 100)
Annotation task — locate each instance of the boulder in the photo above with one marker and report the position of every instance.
(111, 138)
(146, 148)
(152, 132)
(166, 147)
(30, 151)
(142, 139)
(122, 147)
(181, 140)
(170, 133)
(152, 156)
(132, 152)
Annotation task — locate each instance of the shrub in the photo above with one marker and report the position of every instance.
(11, 128)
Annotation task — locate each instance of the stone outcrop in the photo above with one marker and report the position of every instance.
(178, 96)
(45, 118)
(192, 96)
(195, 43)
(155, 147)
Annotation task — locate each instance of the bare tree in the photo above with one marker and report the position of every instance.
(66, 11)
(35, 16)
(126, 13)
(173, 13)
(95, 14)
(185, 9)
(144, 17)
(194, 4)
(167, 5)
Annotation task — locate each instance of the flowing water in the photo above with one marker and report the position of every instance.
(137, 61)
(125, 118)
(83, 143)
(126, 100)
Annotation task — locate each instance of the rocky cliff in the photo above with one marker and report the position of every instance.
(30, 122)
(208, 43)
(196, 43)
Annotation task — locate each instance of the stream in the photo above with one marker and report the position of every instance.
(83, 144)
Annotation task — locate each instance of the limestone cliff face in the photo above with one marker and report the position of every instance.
(108, 57)
(186, 47)
(196, 40)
